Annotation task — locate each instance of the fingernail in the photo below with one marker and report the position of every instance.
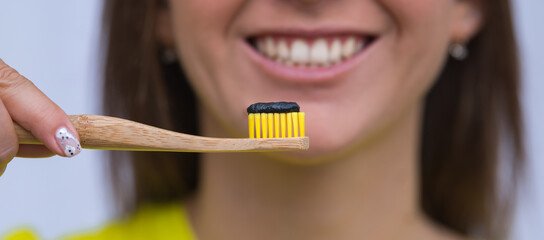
(68, 142)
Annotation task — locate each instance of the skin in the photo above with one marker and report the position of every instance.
(209, 38)
(358, 180)
(22, 102)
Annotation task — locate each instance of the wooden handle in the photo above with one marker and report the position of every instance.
(109, 133)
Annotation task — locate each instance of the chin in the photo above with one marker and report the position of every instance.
(325, 146)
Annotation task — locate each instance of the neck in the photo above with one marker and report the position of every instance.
(370, 193)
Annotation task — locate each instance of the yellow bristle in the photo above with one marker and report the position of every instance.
(301, 119)
(276, 125)
(251, 121)
(283, 117)
(289, 125)
(295, 124)
(258, 125)
(264, 116)
(270, 125)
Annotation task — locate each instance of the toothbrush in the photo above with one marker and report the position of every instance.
(110, 133)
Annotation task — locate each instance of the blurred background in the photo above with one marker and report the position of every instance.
(56, 44)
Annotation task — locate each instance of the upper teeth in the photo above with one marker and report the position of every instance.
(320, 52)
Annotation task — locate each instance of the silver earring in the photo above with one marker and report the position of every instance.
(458, 51)
(169, 56)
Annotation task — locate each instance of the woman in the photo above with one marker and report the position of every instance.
(404, 139)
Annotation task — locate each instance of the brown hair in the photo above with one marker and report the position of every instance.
(471, 111)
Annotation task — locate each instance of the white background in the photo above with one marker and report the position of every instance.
(55, 43)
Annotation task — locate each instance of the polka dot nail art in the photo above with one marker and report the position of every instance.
(68, 142)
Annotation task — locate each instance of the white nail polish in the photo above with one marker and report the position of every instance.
(67, 142)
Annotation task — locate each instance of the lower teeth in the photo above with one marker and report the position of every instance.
(309, 65)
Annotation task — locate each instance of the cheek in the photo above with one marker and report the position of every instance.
(199, 25)
(203, 12)
(419, 12)
(201, 29)
(420, 40)
(421, 26)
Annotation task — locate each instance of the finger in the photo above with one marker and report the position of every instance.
(34, 111)
(33, 151)
(8, 139)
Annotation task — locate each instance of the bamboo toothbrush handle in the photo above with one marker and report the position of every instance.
(102, 132)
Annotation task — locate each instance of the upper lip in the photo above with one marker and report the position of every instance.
(309, 32)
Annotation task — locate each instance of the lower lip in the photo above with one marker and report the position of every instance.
(306, 74)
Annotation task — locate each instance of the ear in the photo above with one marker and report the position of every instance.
(468, 17)
(163, 28)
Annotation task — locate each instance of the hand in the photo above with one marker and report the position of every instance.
(24, 103)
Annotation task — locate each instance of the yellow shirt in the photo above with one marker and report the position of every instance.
(165, 222)
(155, 222)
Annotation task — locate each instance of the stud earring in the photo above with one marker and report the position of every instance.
(458, 51)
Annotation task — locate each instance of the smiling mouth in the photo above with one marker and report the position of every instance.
(310, 52)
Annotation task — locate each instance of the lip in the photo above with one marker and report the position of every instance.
(305, 74)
